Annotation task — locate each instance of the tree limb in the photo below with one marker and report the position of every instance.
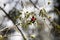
(34, 4)
(13, 22)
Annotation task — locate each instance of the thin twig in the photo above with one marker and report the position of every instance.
(52, 22)
(33, 4)
(57, 11)
(36, 2)
(13, 22)
(22, 4)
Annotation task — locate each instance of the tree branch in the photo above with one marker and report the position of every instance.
(13, 22)
(34, 4)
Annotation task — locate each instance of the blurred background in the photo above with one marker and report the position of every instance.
(26, 14)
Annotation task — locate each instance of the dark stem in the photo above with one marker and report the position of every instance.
(33, 4)
(13, 22)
